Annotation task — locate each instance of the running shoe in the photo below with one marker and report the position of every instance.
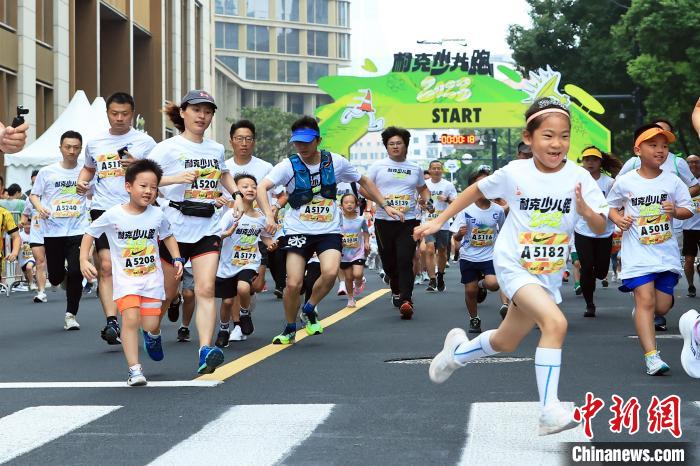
(69, 322)
(40, 297)
(481, 294)
(406, 310)
(153, 346)
(417, 280)
(210, 357)
(33, 287)
(690, 354)
(590, 311)
(395, 300)
(444, 363)
(183, 334)
(351, 302)
(358, 290)
(279, 293)
(503, 311)
(475, 325)
(432, 286)
(110, 333)
(87, 289)
(556, 417)
(578, 290)
(222, 339)
(565, 279)
(174, 308)
(236, 334)
(136, 378)
(604, 282)
(660, 323)
(313, 325)
(246, 323)
(691, 291)
(655, 365)
(441, 282)
(425, 277)
(341, 289)
(284, 338)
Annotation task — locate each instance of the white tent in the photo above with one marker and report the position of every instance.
(79, 115)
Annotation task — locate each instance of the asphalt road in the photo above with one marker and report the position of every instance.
(358, 394)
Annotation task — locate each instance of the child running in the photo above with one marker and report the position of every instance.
(240, 256)
(133, 230)
(355, 247)
(26, 258)
(546, 195)
(651, 263)
(477, 228)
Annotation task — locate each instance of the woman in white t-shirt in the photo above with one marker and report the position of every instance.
(546, 195)
(193, 170)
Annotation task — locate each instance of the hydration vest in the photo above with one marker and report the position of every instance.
(303, 192)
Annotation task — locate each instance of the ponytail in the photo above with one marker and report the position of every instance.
(611, 164)
(172, 111)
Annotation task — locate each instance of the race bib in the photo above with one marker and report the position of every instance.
(482, 236)
(108, 166)
(696, 204)
(65, 208)
(206, 185)
(27, 251)
(543, 253)
(139, 258)
(654, 229)
(400, 202)
(244, 255)
(616, 242)
(351, 241)
(318, 210)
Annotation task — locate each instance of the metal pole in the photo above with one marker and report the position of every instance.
(494, 149)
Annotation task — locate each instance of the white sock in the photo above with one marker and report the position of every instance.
(547, 368)
(480, 283)
(135, 367)
(154, 335)
(475, 349)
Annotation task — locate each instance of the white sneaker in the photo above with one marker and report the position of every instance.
(136, 378)
(341, 289)
(690, 354)
(418, 280)
(425, 277)
(556, 417)
(236, 334)
(444, 363)
(351, 302)
(69, 322)
(40, 297)
(33, 287)
(655, 365)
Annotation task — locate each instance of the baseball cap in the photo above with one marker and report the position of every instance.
(524, 148)
(653, 131)
(197, 96)
(304, 135)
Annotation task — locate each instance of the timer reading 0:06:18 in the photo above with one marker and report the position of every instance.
(459, 139)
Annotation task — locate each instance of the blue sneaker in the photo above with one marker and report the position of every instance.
(210, 357)
(153, 346)
(660, 323)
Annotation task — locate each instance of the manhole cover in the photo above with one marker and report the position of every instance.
(496, 360)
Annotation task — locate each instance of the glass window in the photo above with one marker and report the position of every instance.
(230, 62)
(317, 11)
(317, 43)
(258, 38)
(343, 13)
(295, 103)
(315, 71)
(227, 7)
(257, 9)
(343, 45)
(264, 99)
(226, 35)
(288, 40)
(288, 10)
(257, 69)
(416, 152)
(288, 71)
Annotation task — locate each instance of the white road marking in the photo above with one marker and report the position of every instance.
(268, 432)
(31, 428)
(496, 360)
(506, 434)
(167, 383)
(668, 336)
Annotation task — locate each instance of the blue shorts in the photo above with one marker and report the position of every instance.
(663, 281)
(471, 270)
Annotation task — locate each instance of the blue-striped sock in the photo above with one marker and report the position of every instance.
(547, 368)
(476, 348)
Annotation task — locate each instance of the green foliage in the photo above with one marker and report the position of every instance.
(272, 127)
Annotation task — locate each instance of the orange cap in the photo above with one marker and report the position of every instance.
(651, 132)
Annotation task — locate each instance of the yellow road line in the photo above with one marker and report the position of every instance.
(244, 362)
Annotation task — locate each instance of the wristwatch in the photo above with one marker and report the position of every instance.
(180, 260)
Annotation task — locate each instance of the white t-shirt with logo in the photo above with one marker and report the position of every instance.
(36, 236)
(257, 167)
(605, 184)
(177, 155)
(533, 245)
(353, 238)
(56, 186)
(483, 226)
(240, 251)
(321, 215)
(397, 181)
(693, 223)
(648, 246)
(25, 251)
(133, 247)
(101, 154)
(441, 188)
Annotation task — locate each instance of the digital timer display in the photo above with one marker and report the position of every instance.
(459, 139)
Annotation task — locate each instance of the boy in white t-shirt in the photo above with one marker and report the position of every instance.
(26, 257)
(133, 230)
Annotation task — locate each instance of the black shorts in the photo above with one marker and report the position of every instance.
(101, 242)
(36, 245)
(307, 245)
(263, 253)
(206, 245)
(470, 270)
(228, 287)
(691, 242)
(347, 265)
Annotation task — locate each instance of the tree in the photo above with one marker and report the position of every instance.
(272, 128)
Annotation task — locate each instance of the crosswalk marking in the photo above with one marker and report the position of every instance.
(269, 433)
(122, 384)
(31, 428)
(506, 434)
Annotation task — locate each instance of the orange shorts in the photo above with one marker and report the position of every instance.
(148, 306)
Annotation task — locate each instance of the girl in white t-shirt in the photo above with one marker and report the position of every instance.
(355, 248)
(546, 195)
(26, 257)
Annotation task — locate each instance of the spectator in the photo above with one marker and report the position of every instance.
(33, 179)
(13, 202)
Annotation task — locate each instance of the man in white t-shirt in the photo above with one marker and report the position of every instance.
(107, 157)
(312, 224)
(437, 246)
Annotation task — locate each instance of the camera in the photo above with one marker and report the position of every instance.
(19, 119)
(122, 152)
